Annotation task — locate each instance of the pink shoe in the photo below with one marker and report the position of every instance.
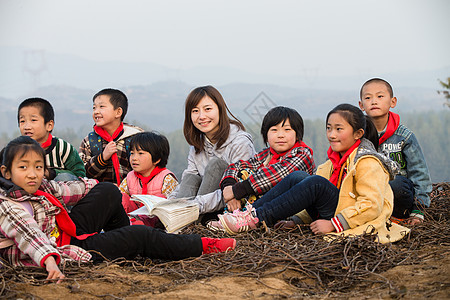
(215, 226)
(211, 245)
(239, 221)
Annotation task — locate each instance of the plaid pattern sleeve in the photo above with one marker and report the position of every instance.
(266, 177)
(69, 192)
(29, 240)
(31, 235)
(253, 163)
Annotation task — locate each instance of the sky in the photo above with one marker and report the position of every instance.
(277, 37)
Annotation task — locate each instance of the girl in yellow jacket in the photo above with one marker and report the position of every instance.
(349, 194)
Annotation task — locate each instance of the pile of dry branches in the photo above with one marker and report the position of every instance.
(307, 262)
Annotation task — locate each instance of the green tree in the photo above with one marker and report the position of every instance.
(445, 92)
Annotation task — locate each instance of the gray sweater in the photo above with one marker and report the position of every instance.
(238, 146)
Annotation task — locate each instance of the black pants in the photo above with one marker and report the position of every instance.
(102, 209)
(403, 190)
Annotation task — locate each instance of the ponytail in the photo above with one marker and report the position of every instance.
(371, 133)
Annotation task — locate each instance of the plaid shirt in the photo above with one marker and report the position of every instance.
(32, 235)
(102, 170)
(267, 176)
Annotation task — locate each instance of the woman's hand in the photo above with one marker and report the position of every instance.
(234, 204)
(286, 225)
(53, 270)
(322, 226)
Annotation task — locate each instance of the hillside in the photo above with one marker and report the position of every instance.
(159, 106)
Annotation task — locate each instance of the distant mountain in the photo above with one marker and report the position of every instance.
(157, 93)
(24, 70)
(159, 106)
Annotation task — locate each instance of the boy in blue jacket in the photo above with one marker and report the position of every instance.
(412, 186)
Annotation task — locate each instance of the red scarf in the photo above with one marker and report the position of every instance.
(393, 123)
(340, 164)
(146, 180)
(276, 156)
(63, 221)
(48, 142)
(105, 135)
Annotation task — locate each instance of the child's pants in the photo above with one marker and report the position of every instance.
(101, 209)
(296, 192)
(403, 190)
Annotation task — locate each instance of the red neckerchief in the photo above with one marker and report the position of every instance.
(393, 123)
(340, 163)
(63, 221)
(105, 135)
(146, 180)
(48, 142)
(276, 156)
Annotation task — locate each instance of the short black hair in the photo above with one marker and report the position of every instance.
(379, 80)
(20, 146)
(116, 98)
(154, 143)
(280, 114)
(46, 109)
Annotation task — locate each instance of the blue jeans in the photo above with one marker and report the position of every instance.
(296, 192)
(64, 176)
(403, 190)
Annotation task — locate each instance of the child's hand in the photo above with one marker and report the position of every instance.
(321, 226)
(228, 193)
(53, 270)
(109, 150)
(286, 225)
(414, 221)
(234, 204)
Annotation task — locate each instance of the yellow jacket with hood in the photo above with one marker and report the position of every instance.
(365, 197)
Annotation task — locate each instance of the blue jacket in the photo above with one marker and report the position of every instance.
(404, 148)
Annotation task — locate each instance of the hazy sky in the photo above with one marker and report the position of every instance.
(277, 37)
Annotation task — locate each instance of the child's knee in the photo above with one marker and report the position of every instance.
(108, 192)
(298, 176)
(402, 187)
(65, 177)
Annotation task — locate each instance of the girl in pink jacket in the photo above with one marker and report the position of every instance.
(148, 158)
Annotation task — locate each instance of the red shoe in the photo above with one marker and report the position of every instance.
(134, 221)
(211, 245)
(398, 220)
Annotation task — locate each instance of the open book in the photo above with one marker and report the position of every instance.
(174, 213)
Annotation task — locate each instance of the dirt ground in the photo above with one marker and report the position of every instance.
(430, 279)
(268, 265)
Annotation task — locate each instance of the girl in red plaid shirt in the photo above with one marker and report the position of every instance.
(282, 129)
